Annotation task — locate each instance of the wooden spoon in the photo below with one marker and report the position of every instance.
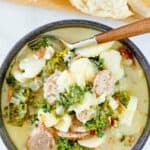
(133, 29)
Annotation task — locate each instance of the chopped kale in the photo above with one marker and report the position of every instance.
(100, 121)
(127, 140)
(16, 114)
(100, 132)
(64, 144)
(117, 82)
(73, 95)
(16, 111)
(99, 62)
(34, 120)
(123, 97)
(44, 41)
(41, 103)
(20, 96)
(57, 62)
(122, 138)
(88, 88)
(11, 80)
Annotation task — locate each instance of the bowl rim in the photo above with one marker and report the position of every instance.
(64, 24)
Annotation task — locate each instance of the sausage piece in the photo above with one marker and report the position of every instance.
(77, 126)
(75, 135)
(50, 86)
(103, 83)
(41, 139)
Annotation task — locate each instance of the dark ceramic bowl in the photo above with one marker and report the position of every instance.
(62, 24)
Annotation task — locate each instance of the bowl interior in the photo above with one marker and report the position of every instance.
(65, 24)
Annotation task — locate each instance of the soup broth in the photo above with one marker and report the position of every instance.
(117, 137)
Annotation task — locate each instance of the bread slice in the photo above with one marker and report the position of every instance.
(116, 9)
(141, 7)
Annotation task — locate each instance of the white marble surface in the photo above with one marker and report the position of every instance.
(17, 20)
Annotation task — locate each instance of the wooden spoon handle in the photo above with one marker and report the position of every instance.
(136, 28)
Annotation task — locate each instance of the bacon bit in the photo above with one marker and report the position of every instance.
(9, 94)
(40, 53)
(114, 123)
(127, 54)
(129, 140)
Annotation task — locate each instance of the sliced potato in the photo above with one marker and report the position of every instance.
(18, 75)
(64, 123)
(113, 103)
(49, 119)
(89, 100)
(95, 50)
(64, 81)
(28, 68)
(83, 70)
(31, 66)
(127, 116)
(101, 99)
(49, 52)
(92, 142)
(112, 61)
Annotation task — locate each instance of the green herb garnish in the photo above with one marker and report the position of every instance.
(11, 80)
(123, 97)
(41, 103)
(122, 138)
(44, 41)
(56, 62)
(99, 62)
(100, 121)
(16, 114)
(117, 83)
(64, 144)
(34, 120)
(73, 95)
(16, 111)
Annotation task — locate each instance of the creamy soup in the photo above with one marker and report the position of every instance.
(88, 98)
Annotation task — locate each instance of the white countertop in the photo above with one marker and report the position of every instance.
(17, 20)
